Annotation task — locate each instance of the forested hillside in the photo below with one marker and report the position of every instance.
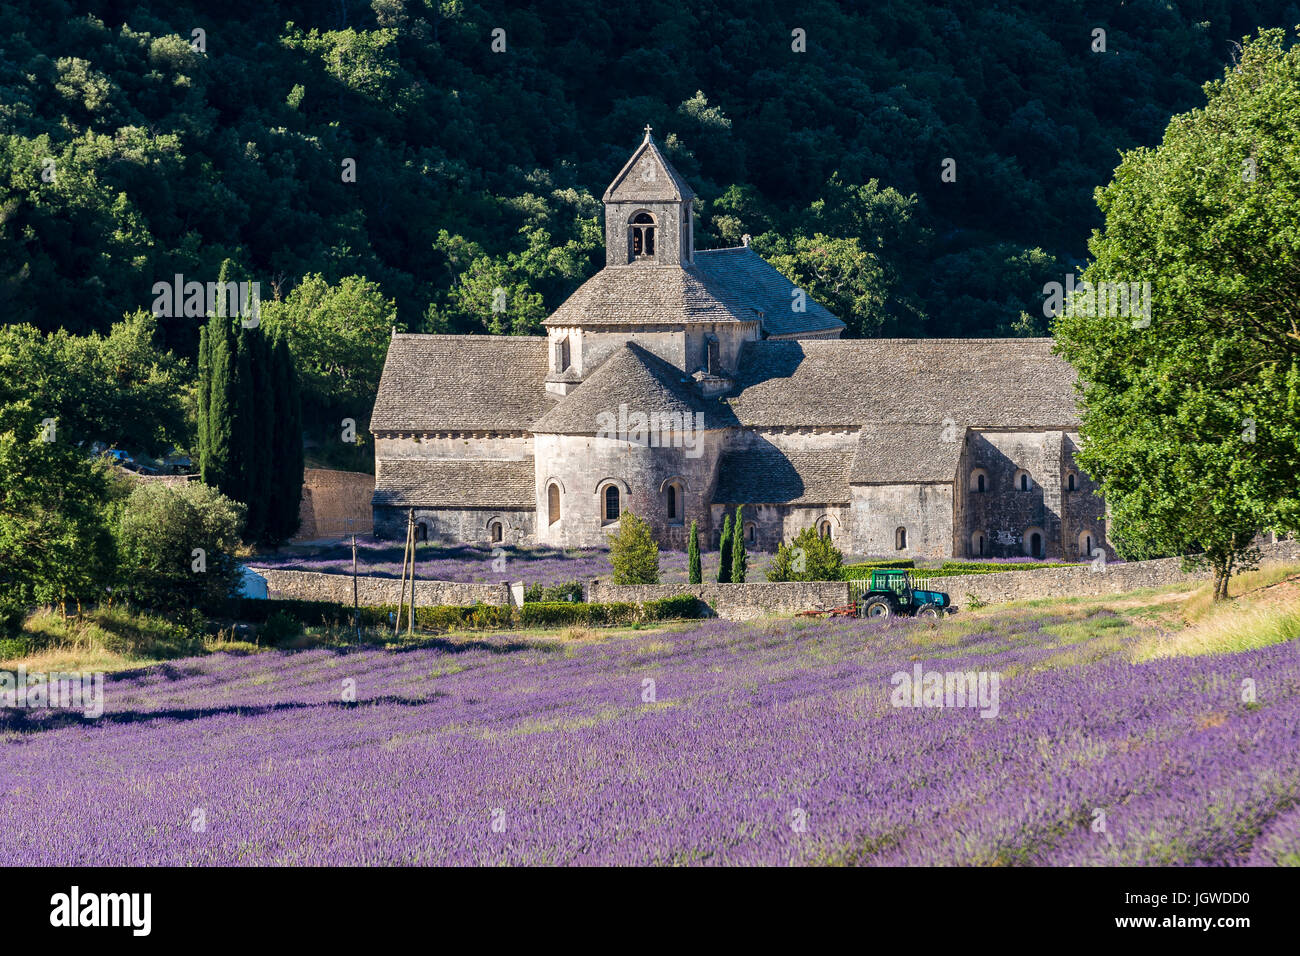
(133, 148)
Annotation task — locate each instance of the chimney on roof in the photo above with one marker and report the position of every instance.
(744, 240)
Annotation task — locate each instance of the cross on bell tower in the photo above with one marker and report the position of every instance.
(648, 212)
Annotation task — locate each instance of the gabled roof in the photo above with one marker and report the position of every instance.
(896, 453)
(454, 483)
(764, 474)
(648, 177)
(751, 280)
(643, 382)
(649, 294)
(462, 383)
(843, 383)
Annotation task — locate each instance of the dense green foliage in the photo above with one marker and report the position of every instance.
(633, 552)
(1192, 419)
(477, 170)
(810, 557)
(59, 394)
(551, 593)
(249, 423)
(177, 544)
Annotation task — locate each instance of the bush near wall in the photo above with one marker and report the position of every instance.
(851, 572)
(565, 591)
(562, 613)
(956, 568)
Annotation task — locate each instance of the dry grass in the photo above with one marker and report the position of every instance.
(1264, 609)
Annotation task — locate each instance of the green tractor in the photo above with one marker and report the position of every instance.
(897, 591)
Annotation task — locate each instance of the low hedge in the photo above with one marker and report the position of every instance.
(562, 613)
(673, 608)
(473, 616)
(851, 572)
(959, 568)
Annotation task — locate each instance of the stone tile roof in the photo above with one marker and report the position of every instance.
(902, 453)
(724, 285)
(748, 278)
(641, 380)
(848, 383)
(645, 293)
(462, 383)
(765, 475)
(662, 183)
(454, 483)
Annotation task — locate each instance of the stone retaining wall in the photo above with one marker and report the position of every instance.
(736, 602)
(1084, 580)
(317, 586)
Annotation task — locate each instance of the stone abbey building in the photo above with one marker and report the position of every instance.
(677, 383)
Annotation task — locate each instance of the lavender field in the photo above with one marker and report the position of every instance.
(763, 743)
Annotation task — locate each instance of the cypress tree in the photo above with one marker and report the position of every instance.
(215, 462)
(724, 551)
(739, 560)
(201, 450)
(261, 459)
(287, 457)
(693, 555)
(244, 480)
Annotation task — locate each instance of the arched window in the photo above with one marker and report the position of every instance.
(496, 531)
(1069, 482)
(673, 502)
(749, 531)
(611, 503)
(900, 539)
(979, 480)
(978, 544)
(1021, 480)
(824, 529)
(641, 236)
(422, 531)
(552, 503)
(1085, 544)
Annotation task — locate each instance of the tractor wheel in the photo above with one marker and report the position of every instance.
(928, 611)
(877, 607)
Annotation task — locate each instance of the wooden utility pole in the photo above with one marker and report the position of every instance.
(410, 522)
(356, 605)
(401, 585)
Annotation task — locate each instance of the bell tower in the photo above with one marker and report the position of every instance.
(648, 212)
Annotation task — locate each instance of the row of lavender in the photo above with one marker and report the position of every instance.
(774, 743)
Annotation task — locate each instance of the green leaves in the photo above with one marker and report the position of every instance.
(1189, 423)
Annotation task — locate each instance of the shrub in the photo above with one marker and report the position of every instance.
(159, 529)
(279, 627)
(633, 552)
(809, 558)
(674, 608)
(567, 613)
(566, 591)
(13, 648)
